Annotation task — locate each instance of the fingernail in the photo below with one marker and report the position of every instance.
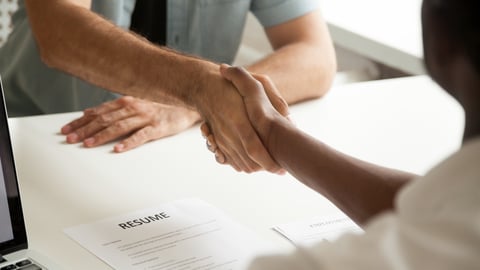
(89, 141)
(66, 129)
(210, 140)
(119, 147)
(220, 158)
(72, 138)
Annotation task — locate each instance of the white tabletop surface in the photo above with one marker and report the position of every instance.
(403, 123)
(386, 31)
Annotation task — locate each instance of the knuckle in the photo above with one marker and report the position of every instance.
(237, 69)
(256, 168)
(120, 125)
(103, 120)
(93, 113)
(140, 135)
(139, 108)
(253, 151)
(81, 133)
(125, 100)
(101, 138)
(263, 78)
(135, 106)
(258, 84)
(133, 141)
(144, 134)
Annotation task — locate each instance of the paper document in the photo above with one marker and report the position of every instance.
(184, 234)
(309, 232)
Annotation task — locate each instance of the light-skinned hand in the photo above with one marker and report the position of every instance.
(266, 97)
(223, 111)
(140, 120)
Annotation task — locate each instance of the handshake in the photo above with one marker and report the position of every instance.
(242, 132)
(239, 111)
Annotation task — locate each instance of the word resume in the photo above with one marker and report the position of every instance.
(184, 234)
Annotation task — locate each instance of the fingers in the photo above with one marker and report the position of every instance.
(255, 85)
(166, 121)
(273, 94)
(243, 81)
(232, 158)
(101, 128)
(229, 121)
(248, 154)
(89, 114)
(118, 129)
(255, 149)
(138, 138)
(205, 129)
(261, 159)
(95, 119)
(143, 120)
(236, 156)
(220, 158)
(212, 144)
(235, 135)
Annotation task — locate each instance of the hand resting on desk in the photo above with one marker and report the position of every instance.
(139, 119)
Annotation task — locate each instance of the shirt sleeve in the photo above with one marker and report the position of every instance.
(273, 12)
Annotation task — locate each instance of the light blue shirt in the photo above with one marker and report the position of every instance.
(211, 29)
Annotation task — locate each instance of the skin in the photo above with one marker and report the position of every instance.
(122, 62)
(359, 188)
(303, 57)
(141, 120)
(362, 190)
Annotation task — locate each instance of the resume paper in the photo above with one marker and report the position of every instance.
(324, 228)
(184, 234)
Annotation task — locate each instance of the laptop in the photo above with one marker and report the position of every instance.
(14, 252)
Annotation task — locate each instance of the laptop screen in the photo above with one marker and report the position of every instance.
(12, 227)
(6, 230)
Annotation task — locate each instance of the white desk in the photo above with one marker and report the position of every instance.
(403, 123)
(385, 31)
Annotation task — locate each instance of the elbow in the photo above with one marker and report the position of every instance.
(325, 76)
(47, 57)
(48, 53)
(54, 55)
(330, 74)
(43, 30)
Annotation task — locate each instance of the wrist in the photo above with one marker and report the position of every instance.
(198, 74)
(206, 76)
(181, 77)
(271, 132)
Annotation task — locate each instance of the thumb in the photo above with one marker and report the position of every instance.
(255, 85)
(243, 81)
(273, 94)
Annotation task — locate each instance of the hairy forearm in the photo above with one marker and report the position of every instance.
(300, 71)
(303, 63)
(75, 40)
(360, 189)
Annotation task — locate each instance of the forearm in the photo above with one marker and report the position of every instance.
(77, 41)
(360, 189)
(303, 63)
(300, 71)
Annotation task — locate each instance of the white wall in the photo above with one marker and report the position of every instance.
(7, 7)
(351, 67)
